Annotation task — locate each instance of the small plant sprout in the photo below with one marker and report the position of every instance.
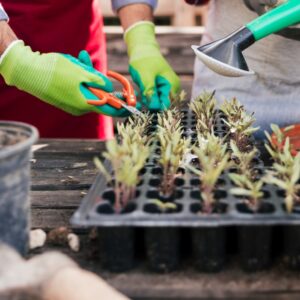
(249, 188)
(285, 174)
(164, 206)
(277, 143)
(248, 185)
(170, 120)
(244, 160)
(127, 160)
(140, 122)
(204, 108)
(239, 123)
(213, 160)
(172, 152)
(179, 100)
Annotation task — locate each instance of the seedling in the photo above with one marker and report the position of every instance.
(213, 160)
(170, 121)
(127, 157)
(248, 185)
(276, 144)
(172, 152)
(286, 171)
(179, 100)
(204, 108)
(244, 160)
(164, 206)
(239, 123)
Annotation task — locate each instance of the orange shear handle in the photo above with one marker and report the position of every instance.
(128, 90)
(104, 98)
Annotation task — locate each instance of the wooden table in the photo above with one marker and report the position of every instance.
(63, 171)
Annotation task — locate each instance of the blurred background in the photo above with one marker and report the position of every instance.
(169, 13)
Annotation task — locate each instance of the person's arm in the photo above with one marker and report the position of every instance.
(148, 68)
(131, 14)
(7, 36)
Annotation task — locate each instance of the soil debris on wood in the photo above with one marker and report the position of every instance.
(58, 236)
(70, 180)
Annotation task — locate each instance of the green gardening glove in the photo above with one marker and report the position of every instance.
(58, 79)
(148, 68)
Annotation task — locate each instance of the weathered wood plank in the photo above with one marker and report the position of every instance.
(70, 147)
(56, 199)
(48, 219)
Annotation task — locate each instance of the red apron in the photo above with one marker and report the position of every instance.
(64, 26)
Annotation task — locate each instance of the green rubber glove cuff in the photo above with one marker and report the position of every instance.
(141, 41)
(148, 69)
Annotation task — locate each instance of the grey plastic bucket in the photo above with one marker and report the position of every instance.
(15, 186)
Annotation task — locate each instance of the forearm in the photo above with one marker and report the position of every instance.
(7, 36)
(130, 14)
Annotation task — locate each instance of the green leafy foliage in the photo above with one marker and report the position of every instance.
(172, 151)
(127, 156)
(275, 148)
(248, 185)
(239, 123)
(170, 121)
(204, 108)
(285, 171)
(213, 160)
(179, 100)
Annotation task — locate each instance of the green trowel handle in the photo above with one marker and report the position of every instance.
(273, 21)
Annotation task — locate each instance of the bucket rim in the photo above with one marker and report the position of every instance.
(33, 136)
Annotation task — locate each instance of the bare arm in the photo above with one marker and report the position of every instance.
(7, 36)
(133, 13)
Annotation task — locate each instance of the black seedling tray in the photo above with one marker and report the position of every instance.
(207, 232)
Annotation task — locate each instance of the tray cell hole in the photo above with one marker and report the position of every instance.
(159, 171)
(281, 193)
(265, 208)
(155, 194)
(219, 194)
(220, 208)
(107, 208)
(220, 128)
(196, 182)
(155, 182)
(153, 208)
(110, 195)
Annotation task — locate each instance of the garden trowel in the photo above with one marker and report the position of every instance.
(225, 56)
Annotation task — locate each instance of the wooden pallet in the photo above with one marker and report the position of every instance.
(178, 11)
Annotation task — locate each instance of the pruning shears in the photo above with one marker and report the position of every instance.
(111, 98)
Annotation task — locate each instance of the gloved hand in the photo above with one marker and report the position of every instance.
(147, 67)
(58, 79)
